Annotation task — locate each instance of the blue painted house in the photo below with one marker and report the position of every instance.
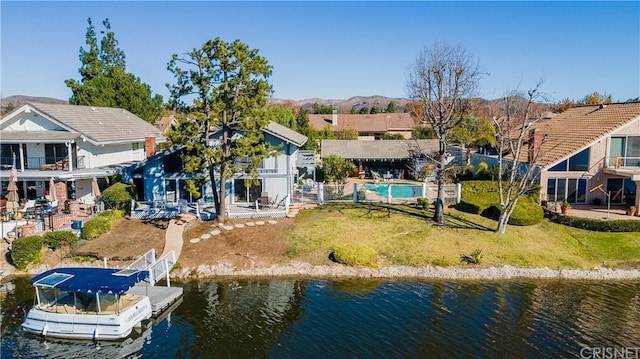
(160, 178)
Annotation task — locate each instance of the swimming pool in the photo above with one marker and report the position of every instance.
(397, 190)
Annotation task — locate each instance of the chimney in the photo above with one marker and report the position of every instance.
(149, 146)
(535, 142)
(334, 118)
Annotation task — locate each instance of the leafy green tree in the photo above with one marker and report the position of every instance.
(105, 82)
(391, 107)
(374, 110)
(472, 131)
(423, 133)
(353, 110)
(279, 114)
(317, 108)
(595, 98)
(337, 169)
(364, 110)
(392, 136)
(228, 84)
(346, 134)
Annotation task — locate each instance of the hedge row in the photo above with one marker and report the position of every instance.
(26, 250)
(619, 225)
(481, 197)
(101, 224)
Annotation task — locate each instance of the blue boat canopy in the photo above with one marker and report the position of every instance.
(90, 280)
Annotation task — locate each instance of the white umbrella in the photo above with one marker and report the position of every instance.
(52, 190)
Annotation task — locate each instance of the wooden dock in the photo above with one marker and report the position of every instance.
(161, 297)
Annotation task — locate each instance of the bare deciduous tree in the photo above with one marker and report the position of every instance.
(519, 145)
(440, 81)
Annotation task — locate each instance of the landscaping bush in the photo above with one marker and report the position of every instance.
(112, 214)
(481, 197)
(356, 254)
(95, 227)
(57, 239)
(26, 250)
(423, 202)
(620, 225)
(119, 196)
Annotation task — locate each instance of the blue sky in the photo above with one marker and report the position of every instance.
(336, 50)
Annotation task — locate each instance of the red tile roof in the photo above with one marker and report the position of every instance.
(576, 128)
(382, 122)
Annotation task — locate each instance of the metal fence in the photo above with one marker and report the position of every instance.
(382, 192)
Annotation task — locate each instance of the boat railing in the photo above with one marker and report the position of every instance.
(161, 268)
(145, 261)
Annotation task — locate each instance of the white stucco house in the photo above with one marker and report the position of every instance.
(71, 144)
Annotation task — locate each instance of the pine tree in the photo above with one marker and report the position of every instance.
(229, 82)
(105, 82)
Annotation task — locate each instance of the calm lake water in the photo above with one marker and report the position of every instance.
(362, 319)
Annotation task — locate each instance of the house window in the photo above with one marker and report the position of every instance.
(135, 146)
(54, 152)
(572, 190)
(624, 151)
(578, 162)
(621, 190)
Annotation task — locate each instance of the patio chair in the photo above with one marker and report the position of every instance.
(29, 207)
(282, 201)
(264, 201)
(376, 176)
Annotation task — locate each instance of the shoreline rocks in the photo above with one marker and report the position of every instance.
(338, 271)
(306, 270)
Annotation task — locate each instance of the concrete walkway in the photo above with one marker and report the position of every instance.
(173, 236)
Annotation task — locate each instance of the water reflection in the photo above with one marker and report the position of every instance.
(363, 318)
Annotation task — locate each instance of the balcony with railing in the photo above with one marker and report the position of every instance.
(56, 163)
(625, 162)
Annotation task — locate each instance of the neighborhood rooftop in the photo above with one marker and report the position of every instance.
(381, 122)
(97, 124)
(376, 150)
(578, 127)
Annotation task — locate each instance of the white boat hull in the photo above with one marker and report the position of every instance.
(86, 325)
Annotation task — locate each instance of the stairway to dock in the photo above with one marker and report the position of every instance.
(161, 297)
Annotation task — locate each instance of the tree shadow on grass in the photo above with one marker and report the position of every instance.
(385, 210)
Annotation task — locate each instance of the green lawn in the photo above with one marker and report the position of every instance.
(403, 235)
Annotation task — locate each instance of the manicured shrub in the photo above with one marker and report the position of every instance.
(619, 225)
(355, 254)
(119, 196)
(25, 251)
(57, 239)
(95, 227)
(481, 197)
(112, 214)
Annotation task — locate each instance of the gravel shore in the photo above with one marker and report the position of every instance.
(306, 270)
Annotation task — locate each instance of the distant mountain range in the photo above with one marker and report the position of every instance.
(344, 106)
(19, 100)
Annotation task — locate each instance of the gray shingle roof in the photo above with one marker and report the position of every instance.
(39, 136)
(286, 133)
(375, 150)
(100, 124)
